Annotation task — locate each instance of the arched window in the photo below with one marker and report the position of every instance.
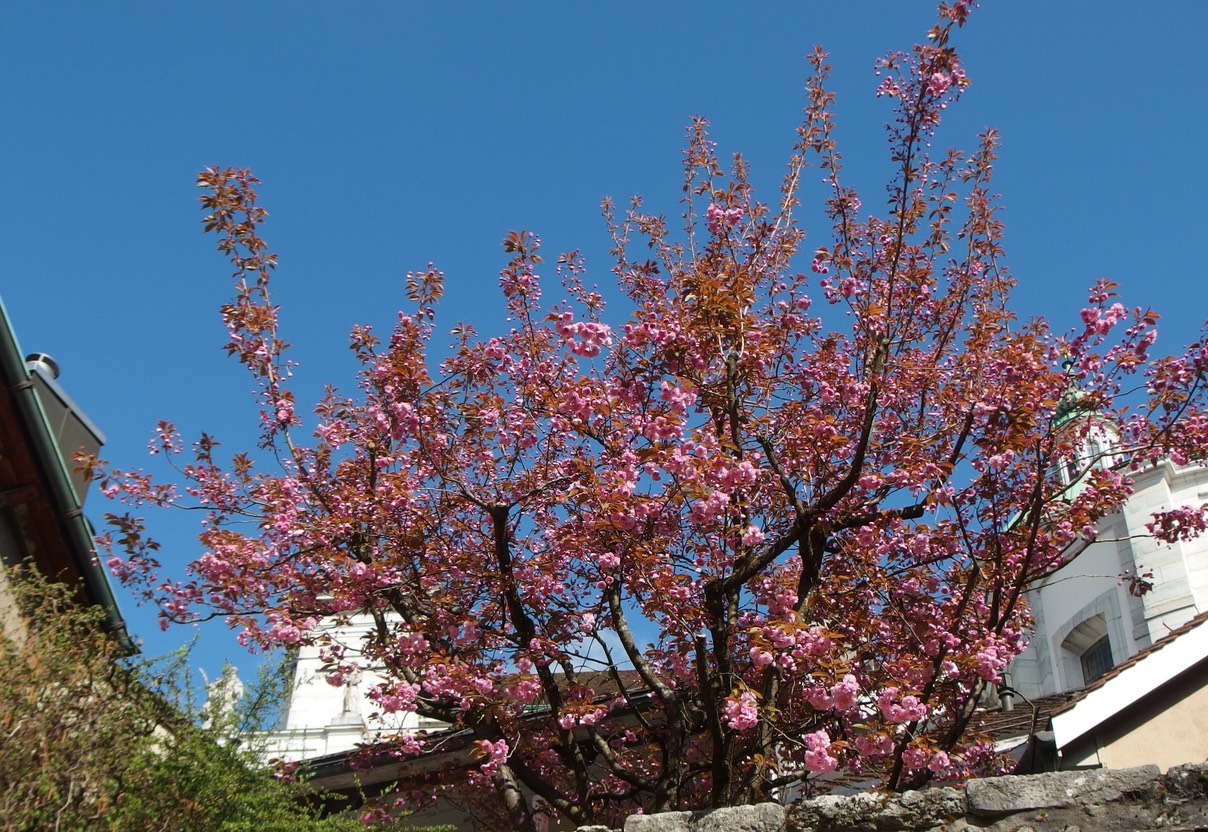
(1088, 644)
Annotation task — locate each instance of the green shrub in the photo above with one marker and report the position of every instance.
(89, 741)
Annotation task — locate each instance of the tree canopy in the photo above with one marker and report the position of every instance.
(786, 502)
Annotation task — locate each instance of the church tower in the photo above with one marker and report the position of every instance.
(1127, 589)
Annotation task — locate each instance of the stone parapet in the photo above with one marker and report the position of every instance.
(1101, 800)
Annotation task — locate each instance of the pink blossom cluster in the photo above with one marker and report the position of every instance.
(495, 754)
(166, 440)
(719, 219)
(874, 745)
(525, 690)
(679, 396)
(889, 87)
(396, 697)
(412, 644)
(939, 82)
(1181, 523)
(788, 645)
(521, 283)
(730, 477)
(819, 263)
(992, 657)
(915, 758)
(753, 535)
(819, 754)
(583, 405)
(591, 716)
(586, 338)
(899, 709)
(940, 762)
(843, 696)
(741, 712)
(1100, 321)
(711, 507)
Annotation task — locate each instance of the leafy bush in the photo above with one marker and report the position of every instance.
(89, 741)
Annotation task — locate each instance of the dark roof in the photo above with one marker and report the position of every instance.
(346, 772)
(34, 474)
(1028, 716)
(604, 684)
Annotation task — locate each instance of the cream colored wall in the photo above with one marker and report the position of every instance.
(12, 625)
(1166, 730)
(1176, 735)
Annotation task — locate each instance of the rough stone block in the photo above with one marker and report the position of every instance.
(662, 822)
(1188, 782)
(763, 817)
(850, 813)
(1061, 789)
(921, 810)
(1126, 800)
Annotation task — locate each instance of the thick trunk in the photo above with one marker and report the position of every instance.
(513, 800)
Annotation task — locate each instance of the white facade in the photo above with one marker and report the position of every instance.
(1088, 600)
(327, 719)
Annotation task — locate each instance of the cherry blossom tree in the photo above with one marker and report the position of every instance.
(769, 523)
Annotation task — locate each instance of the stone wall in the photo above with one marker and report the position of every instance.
(1125, 800)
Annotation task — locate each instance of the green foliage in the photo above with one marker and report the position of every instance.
(88, 742)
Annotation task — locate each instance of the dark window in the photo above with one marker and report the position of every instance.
(1071, 470)
(1096, 660)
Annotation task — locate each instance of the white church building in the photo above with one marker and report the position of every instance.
(1088, 618)
(1126, 590)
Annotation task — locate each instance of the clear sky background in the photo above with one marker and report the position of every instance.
(393, 133)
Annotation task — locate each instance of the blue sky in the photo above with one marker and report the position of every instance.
(389, 134)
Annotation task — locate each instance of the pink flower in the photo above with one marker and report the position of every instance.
(819, 698)
(525, 690)
(990, 662)
(889, 87)
(845, 693)
(1182, 523)
(914, 758)
(719, 218)
(285, 634)
(760, 658)
(401, 698)
(939, 762)
(909, 709)
(495, 753)
(819, 263)
(741, 712)
(680, 397)
(585, 338)
(818, 755)
(874, 746)
(938, 83)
